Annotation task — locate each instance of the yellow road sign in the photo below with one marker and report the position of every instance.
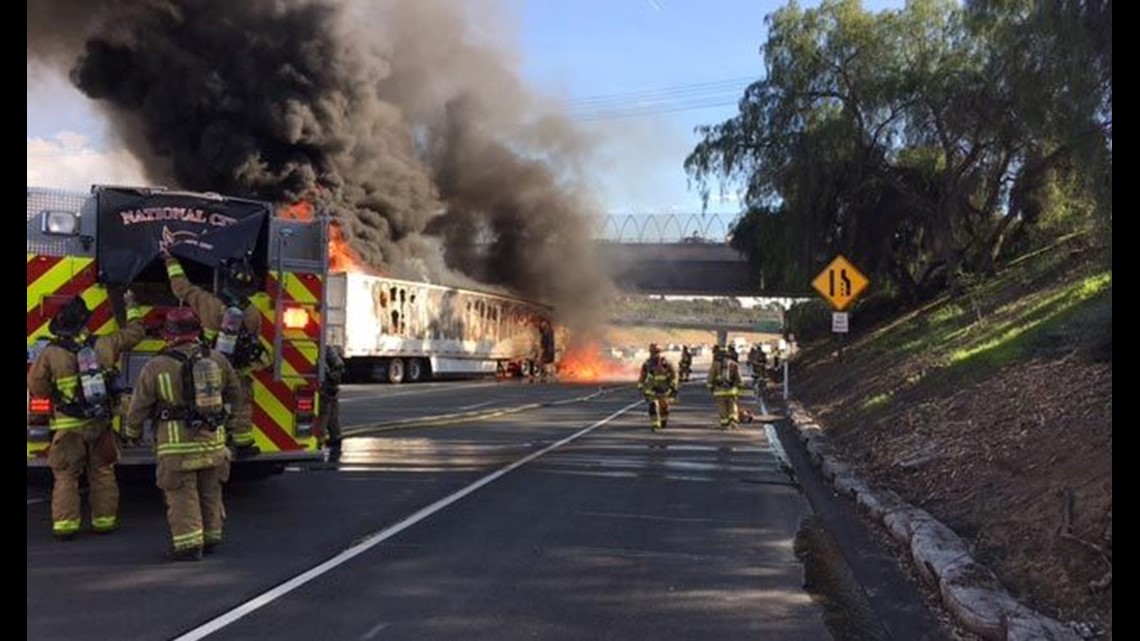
(840, 283)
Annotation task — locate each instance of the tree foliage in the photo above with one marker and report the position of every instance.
(918, 142)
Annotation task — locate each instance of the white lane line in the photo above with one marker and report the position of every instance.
(33, 501)
(777, 447)
(375, 630)
(271, 595)
(475, 405)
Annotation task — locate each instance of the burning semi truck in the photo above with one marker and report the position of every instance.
(394, 330)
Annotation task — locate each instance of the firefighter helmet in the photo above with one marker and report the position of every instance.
(181, 324)
(72, 319)
(238, 278)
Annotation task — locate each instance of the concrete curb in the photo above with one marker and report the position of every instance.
(460, 417)
(968, 589)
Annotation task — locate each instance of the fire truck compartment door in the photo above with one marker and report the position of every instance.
(135, 226)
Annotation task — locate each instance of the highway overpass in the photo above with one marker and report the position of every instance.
(767, 321)
(680, 268)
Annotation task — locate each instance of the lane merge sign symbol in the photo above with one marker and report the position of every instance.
(840, 283)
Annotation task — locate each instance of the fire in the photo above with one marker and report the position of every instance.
(342, 258)
(586, 362)
(302, 211)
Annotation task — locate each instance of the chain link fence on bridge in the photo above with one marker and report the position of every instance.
(664, 228)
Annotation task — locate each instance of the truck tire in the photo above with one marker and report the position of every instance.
(419, 369)
(395, 371)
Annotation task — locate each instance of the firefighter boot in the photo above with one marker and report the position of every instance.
(188, 554)
(246, 451)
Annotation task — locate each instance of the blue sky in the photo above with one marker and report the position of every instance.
(635, 58)
(668, 52)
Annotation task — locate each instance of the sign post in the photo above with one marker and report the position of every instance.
(840, 284)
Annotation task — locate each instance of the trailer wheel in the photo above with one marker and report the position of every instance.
(418, 370)
(395, 371)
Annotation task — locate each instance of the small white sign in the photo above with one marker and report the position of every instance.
(839, 322)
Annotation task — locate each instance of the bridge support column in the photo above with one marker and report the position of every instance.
(722, 337)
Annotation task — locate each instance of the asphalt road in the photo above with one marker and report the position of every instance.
(566, 519)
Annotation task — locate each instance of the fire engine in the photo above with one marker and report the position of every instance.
(108, 240)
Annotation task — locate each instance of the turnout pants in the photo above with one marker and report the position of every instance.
(728, 409)
(658, 406)
(331, 407)
(92, 450)
(194, 508)
(243, 412)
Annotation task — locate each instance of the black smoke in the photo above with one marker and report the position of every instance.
(416, 133)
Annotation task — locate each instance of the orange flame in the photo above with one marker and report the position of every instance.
(587, 362)
(302, 211)
(342, 258)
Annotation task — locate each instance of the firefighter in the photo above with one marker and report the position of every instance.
(658, 383)
(724, 382)
(186, 390)
(77, 372)
(330, 396)
(686, 364)
(237, 286)
(546, 343)
(757, 361)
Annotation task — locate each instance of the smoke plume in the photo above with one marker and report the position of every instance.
(405, 118)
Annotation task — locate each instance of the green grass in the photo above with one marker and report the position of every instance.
(877, 401)
(946, 313)
(1030, 323)
(1038, 307)
(923, 333)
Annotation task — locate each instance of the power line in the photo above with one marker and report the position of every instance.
(721, 94)
(659, 93)
(662, 100)
(662, 93)
(634, 112)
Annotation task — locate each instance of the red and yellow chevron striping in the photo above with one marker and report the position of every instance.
(54, 279)
(274, 401)
(51, 280)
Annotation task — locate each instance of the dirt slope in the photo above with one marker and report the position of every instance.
(992, 409)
